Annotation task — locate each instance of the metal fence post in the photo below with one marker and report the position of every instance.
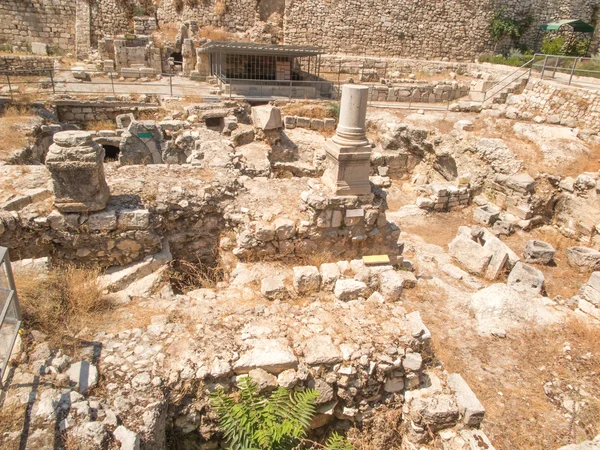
(555, 66)
(171, 85)
(9, 86)
(290, 96)
(112, 83)
(230, 86)
(52, 81)
(573, 70)
(544, 67)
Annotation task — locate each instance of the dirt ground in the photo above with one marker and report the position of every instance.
(539, 385)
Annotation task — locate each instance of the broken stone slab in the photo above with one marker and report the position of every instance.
(307, 279)
(124, 120)
(273, 288)
(416, 327)
(486, 215)
(84, 375)
(524, 278)
(499, 257)
(522, 182)
(266, 117)
(591, 290)
(391, 284)
(538, 252)
(267, 354)
(141, 143)
(470, 255)
(434, 413)
(128, 439)
(264, 381)
(346, 290)
(583, 258)
(412, 362)
(104, 221)
(330, 273)
(321, 350)
(476, 440)
(469, 406)
(136, 219)
(76, 164)
(118, 277)
(284, 228)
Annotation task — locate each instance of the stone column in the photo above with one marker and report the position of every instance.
(349, 151)
(76, 164)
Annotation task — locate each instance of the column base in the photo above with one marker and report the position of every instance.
(347, 169)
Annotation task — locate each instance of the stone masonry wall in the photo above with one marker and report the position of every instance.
(50, 21)
(415, 29)
(25, 63)
(547, 99)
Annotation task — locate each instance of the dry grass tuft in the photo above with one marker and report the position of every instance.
(185, 276)
(311, 110)
(97, 125)
(215, 34)
(61, 303)
(12, 132)
(220, 7)
(166, 33)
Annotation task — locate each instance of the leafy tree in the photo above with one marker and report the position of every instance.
(250, 421)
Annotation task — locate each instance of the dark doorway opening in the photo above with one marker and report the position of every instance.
(215, 123)
(177, 58)
(111, 152)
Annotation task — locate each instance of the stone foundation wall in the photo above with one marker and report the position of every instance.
(459, 30)
(239, 15)
(50, 21)
(559, 103)
(77, 112)
(34, 64)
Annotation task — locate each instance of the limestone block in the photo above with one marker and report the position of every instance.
(284, 228)
(538, 252)
(469, 406)
(524, 278)
(84, 375)
(349, 289)
(289, 122)
(76, 164)
(472, 256)
(104, 221)
(390, 285)
(316, 124)
(499, 257)
(330, 273)
(268, 354)
(137, 219)
(486, 215)
(307, 279)
(124, 120)
(321, 350)
(39, 48)
(128, 439)
(302, 122)
(266, 117)
(273, 288)
(583, 258)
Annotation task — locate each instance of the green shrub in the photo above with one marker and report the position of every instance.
(250, 421)
(502, 26)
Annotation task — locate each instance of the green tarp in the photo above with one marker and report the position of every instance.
(577, 25)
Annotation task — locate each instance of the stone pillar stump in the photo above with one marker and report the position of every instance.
(349, 151)
(76, 164)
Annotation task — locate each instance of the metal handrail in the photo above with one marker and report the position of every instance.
(11, 301)
(508, 76)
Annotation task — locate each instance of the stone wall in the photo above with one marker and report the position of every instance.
(79, 112)
(50, 21)
(457, 30)
(556, 103)
(25, 63)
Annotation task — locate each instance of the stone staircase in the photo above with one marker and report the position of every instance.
(486, 91)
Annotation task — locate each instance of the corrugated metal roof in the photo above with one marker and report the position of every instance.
(262, 49)
(577, 25)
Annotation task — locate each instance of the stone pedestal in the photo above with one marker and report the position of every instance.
(76, 163)
(349, 151)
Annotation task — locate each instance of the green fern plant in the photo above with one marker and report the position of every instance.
(250, 421)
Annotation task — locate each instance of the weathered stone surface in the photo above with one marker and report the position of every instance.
(538, 252)
(486, 215)
(469, 406)
(264, 381)
(266, 117)
(321, 350)
(524, 278)
(591, 290)
(349, 289)
(76, 163)
(391, 284)
(583, 258)
(84, 375)
(412, 362)
(141, 143)
(330, 273)
(435, 413)
(268, 354)
(273, 288)
(499, 257)
(472, 256)
(284, 228)
(128, 439)
(307, 279)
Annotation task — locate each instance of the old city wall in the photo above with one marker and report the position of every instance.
(412, 28)
(50, 21)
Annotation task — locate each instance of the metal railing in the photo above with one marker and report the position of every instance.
(564, 68)
(516, 75)
(10, 316)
